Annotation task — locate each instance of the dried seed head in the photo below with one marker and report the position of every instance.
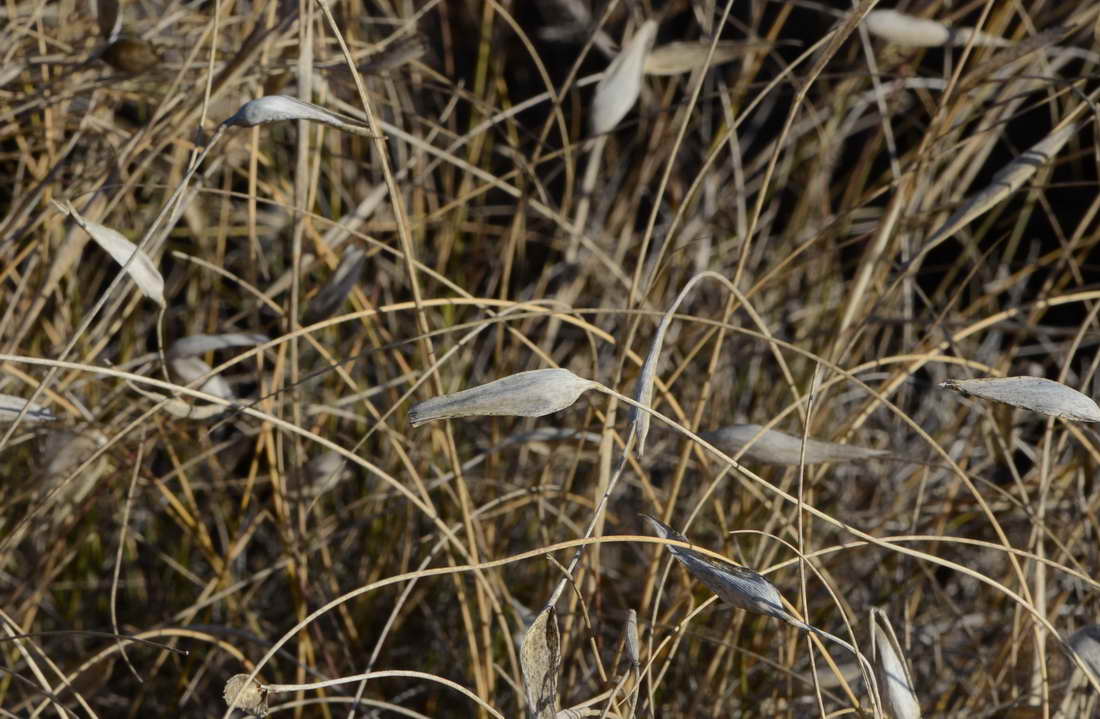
(1034, 393)
(130, 55)
(903, 29)
(741, 587)
(894, 681)
(632, 643)
(1007, 180)
(617, 92)
(675, 58)
(279, 108)
(190, 369)
(1085, 643)
(198, 344)
(540, 660)
(250, 696)
(775, 447)
(142, 269)
(525, 394)
(10, 407)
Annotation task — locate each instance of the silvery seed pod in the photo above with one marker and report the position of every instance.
(1034, 393)
(525, 394)
(741, 587)
(775, 447)
(895, 684)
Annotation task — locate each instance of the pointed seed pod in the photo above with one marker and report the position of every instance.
(675, 58)
(540, 660)
(142, 269)
(912, 31)
(736, 585)
(632, 643)
(281, 108)
(525, 394)
(199, 344)
(1034, 393)
(895, 683)
(11, 406)
(621, 85)
(1085, 643)
(775, 447)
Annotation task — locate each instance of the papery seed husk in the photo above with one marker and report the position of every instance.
(11, 406)
(1033, 393)
(1085, 643)
(329, 299)
(191, 369)
(621, 84)
(632, 643)
(280, 108)
(775, 447)
(142, 269)
(526, 394)
(1007, 180)
(675, 58)
(912, 31)
(895, 683)
(249, 696)
(177, 407)
(200, 344)
(540, 660)
(736, 585)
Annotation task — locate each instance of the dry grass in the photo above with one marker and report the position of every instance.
(311, 534)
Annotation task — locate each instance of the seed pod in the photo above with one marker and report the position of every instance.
(679, 57)
(191, 369)
(617, 92)
(912, 31)
(142, 269)
(130, 55)
(10, 407)
(198, 344)
(280, 108)
(248, 696)
(895, 684)
(525, 394)
(1008, 179)
(540, 660)
(736, 585)
(1085, 643)
(1034, 393)
(632, 643)
(775, 447)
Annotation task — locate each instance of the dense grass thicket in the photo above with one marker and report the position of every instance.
(875, 216)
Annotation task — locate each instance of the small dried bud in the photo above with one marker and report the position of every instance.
(130, 55)
(249, 696)
(1085, 643)
(525, 394)
(1034, 393)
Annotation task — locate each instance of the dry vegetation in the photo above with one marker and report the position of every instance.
(475, 228)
